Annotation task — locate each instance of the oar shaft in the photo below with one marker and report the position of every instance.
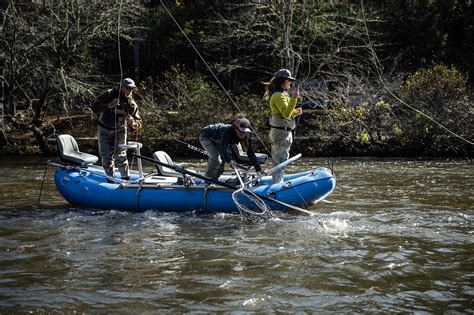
(274, 169)
(185, 171)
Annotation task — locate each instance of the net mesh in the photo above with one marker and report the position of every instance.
(250, 205)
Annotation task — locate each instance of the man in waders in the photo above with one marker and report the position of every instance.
(117, 111)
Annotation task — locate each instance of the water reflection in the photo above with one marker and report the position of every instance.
(397, 237)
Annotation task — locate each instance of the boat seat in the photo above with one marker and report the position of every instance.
(241, 157)
(163, 157)
(69, 151)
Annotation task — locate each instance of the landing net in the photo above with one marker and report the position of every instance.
(250, 205)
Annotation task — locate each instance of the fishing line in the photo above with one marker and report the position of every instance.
(121, 75)
(42, 182)
(306, 78)
(377, 64)
(301, 197)
(212, 72)
(166, 125)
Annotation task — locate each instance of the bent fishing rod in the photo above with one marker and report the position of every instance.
(210, 70)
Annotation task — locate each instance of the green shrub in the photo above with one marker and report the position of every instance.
(440, 92)
(180, 103)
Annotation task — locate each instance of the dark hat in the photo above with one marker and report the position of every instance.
(128, 83)
(243, 124)
(284, 73)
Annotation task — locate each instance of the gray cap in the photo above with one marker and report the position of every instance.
(128, 83)
(285, 73)
(243, 124)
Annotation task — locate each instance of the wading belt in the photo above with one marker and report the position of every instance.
(282, 128)
(108, 127)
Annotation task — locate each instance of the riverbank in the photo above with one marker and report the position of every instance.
(307, 146)
(319, 133)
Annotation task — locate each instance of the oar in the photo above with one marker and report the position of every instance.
(274, 169)
(182, 170)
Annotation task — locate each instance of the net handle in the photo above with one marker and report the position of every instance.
(242, 185)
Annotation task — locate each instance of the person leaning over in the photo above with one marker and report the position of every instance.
(282, 119)
(215, 139)
(117, 111)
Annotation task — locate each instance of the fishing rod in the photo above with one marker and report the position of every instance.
(190, 146)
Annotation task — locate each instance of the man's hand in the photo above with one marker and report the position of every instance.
(262, 173)
(296, 93)
(113, 103)
(233, 163)
(131, 122)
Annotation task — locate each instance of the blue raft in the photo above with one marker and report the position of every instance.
(86, 185)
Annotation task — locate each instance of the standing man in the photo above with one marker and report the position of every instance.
(117, 111)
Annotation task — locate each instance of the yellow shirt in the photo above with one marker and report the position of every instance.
(281, 104)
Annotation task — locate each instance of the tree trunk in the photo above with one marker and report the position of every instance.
(39, 107)
(136, 60)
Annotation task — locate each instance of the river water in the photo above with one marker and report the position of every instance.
(397, 237)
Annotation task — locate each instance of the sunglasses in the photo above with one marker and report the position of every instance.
(128, 88)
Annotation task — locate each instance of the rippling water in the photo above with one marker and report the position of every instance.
(397, 237)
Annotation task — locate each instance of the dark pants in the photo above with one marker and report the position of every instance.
(110, 152)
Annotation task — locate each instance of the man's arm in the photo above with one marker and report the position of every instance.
(102, 102)
(136, 120)
(225, 137)
(252, 157)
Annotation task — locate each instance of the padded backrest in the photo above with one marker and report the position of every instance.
(69, 151)
(163, 157)
(66, 143)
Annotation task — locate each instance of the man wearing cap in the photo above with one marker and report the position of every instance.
(215, 139)
(117, 111)
(282, 119)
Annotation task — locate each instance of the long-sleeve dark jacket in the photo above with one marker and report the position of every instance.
(224, 135)
(115, 118)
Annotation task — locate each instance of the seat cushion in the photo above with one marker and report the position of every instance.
(69, 151)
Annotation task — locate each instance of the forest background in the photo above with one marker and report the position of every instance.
(384, 78)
